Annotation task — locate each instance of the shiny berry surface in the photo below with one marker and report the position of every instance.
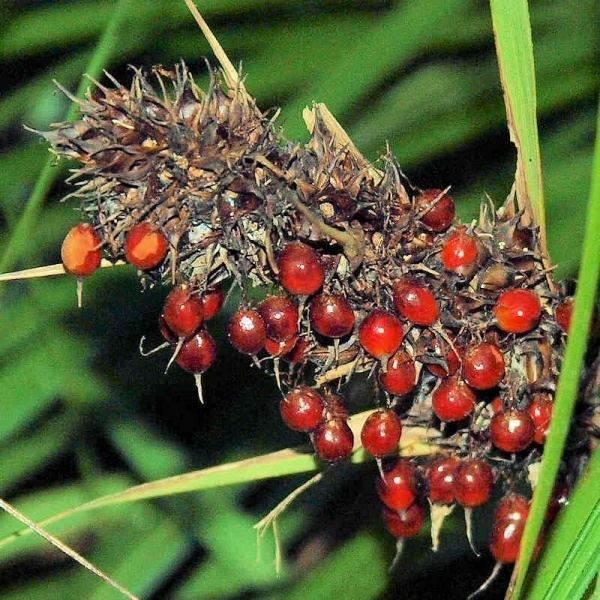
(183, 311)
(453, 400)
(145, 246)
(381, 433)
(333, 440)
(299, 353)
(198, 353)
(380, 334)
(280, 348)
(212, 301)
(483, 366)
(247, 331)
(331, 315)
(280, 315)
(473, 482)
(563, 314)
(397, 487)
(440, 479)
(300, 269)
(165, 331)
(302, 409)
(406, 523)
(415, 302)
(80, 252)
(517, 311)
(443, 351)
(511, 430)
(400, 375)
(513, 506)
(437, 209)
(540, 412)
(506, 540)
(459, 252)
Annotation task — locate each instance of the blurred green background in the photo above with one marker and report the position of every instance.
(83, 414)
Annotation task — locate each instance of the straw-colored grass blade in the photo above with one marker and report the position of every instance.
(49, 271)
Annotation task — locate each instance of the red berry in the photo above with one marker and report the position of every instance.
(331, 316)
(212, 301)
(563, 313)
(506, 540)
(165, 330)
(560, 498)
(517, 311)
(247, 331)
(511, 430)
(80, 251)
(300, 269)
(415, 302)
(445, 352)
(198, 353)
(473, 481)
(299, 353)
(496, 404)
(333, 440)
(513, 507)
(335, 408)
(438, 209)
(540, 412)
(183, 311)
(406, 523)
(440, 477)
(397, 487)
(381, 432)
(483, 366)
(302, 409)
(280, 315)
(380, 334)
(145, 246)
(453, 400)
(280, 348)
(400, 375)
(460, 252)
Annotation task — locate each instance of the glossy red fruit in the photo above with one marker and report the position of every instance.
(380, 334)
(302, 409)
(560, 498)
(444, 351)
(333, 440)
(513, 507)
(397, 487)
(247, 331)
(406, 523)
(400, 375)
(280, 348)
(299, 353)
(511, 430)
(165, 330)
(280, 315)
(540, 412)
(496, 405)
(212, 301)
(473, 481)
(453, 400)
(440, 478)
(460, 252)
(183, 311)
(563, 313)
(80, 251)
(437, 209)
(198, 353)
(145, 246)
(331, 315)
(517, 311)
(506, 540)
(483, 366)
(381, 433)
(300, 269)
(415, 302)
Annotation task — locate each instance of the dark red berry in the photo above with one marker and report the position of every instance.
(400, 375)
(406, 523)
(415, 302)
(80, 251)
(453, 400)
(280, 348)
(331, 315)
(517, 311)
(473, 481)
(506, 540)
(436, 209)
(335, 407)
(333, 440)
(460, 252)
(183, 311)
(540, 412)
(381, 433)
(145, 246)
(165, 330)
(560, 498)
(511, 430)
(496, 405)
(299, 353)
(380, 334)
(212, 301)
(198, 353)
(563, 314)
(247, 331)
(300, 269)
(513, 507)
(440, 478)
(302, 409)
(397, 487)
(483, 366)
(280, 315)
(445, 352)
